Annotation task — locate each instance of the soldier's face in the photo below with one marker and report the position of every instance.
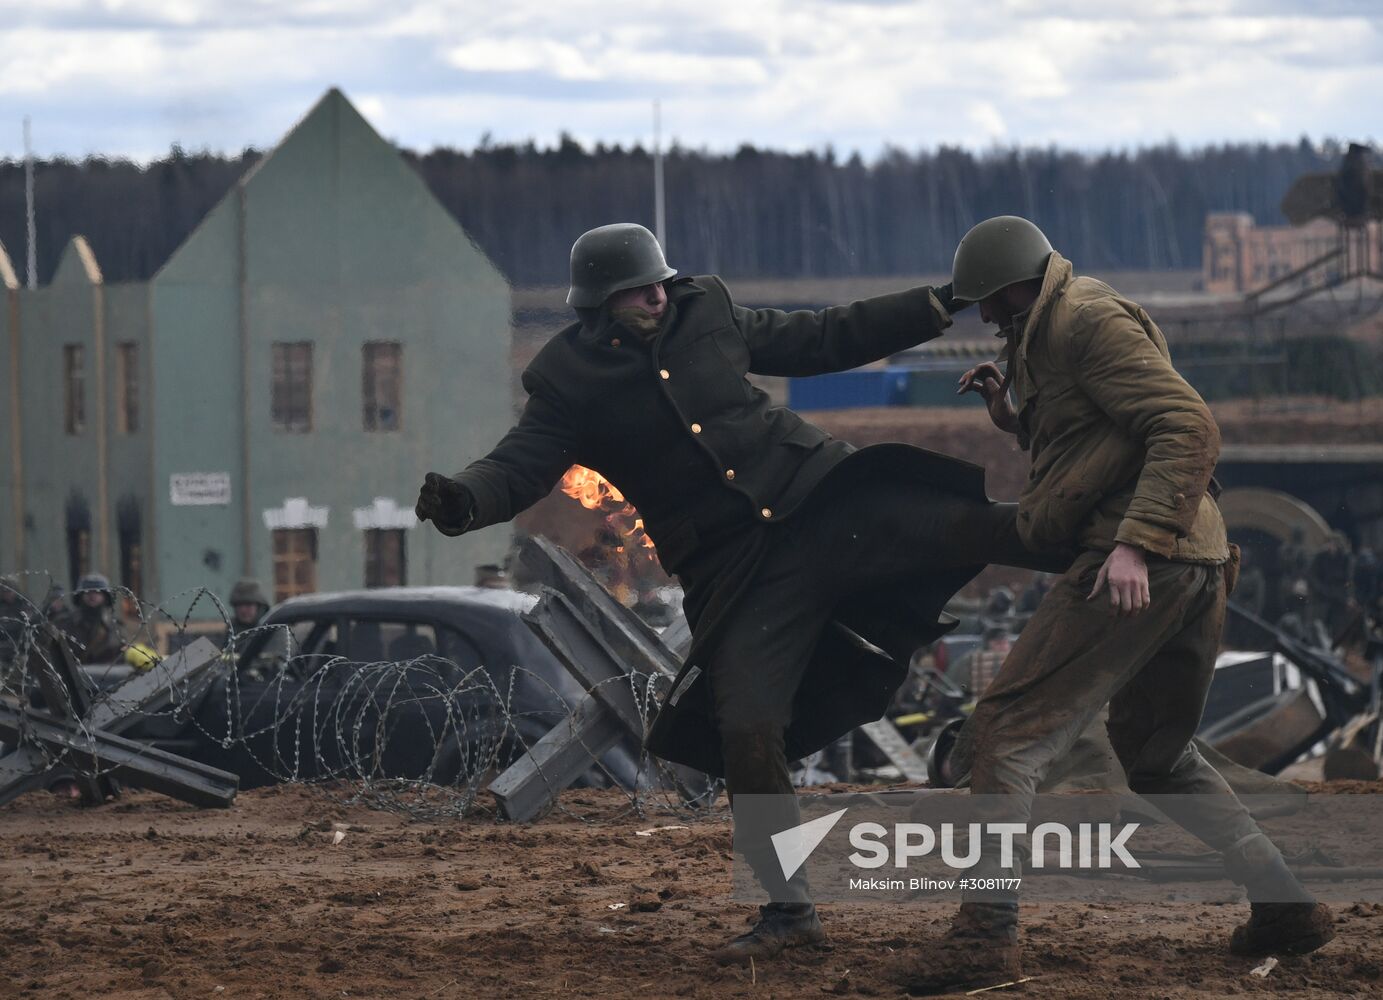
(1007, 303)
(652, 299)
(246, 614)
(93, 598)
(992, 310)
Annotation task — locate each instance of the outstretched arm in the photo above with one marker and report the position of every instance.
(841, 337)
(517, 473)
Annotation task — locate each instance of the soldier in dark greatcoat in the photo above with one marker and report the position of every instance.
(812, 571)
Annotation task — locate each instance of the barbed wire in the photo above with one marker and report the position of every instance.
(422, 736)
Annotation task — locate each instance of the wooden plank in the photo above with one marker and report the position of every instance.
(900, 754)
(565, 753)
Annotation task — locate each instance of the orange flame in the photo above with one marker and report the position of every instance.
(594, 492)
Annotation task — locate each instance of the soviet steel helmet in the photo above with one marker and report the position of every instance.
(611, 258)
(997, 253)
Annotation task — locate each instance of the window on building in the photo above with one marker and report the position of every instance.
(290, 397)
(129, 529)
(78, 524)
(74, 388)
(295, 562)
(386, 560)
(383, 384)
(78, 553)
(126, 387)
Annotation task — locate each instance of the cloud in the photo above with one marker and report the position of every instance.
(134, 76)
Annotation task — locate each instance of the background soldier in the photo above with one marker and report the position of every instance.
(773, 528)
(1122, 453)
(91, 623)
(248, 605)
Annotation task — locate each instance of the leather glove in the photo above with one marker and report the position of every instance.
(446, 503)
(946, 296)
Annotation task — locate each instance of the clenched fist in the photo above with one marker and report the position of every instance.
(446, 503)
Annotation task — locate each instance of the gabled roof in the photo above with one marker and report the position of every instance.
(7, 276)
(335, 139)
(77, 265)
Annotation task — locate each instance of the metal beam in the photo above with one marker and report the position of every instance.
(145, 766)
(27, 767)
(587, 657)
(568, 750)
(636, 644)
(66, 693)
(155, 689)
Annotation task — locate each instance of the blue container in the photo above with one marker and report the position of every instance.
(842, 390)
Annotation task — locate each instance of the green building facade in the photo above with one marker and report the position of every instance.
(267, 404)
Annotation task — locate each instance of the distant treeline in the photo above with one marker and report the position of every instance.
(751, 213)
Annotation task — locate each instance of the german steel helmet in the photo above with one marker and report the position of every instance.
(611, 258)
(248, 591)
(94, 581)
(997, 253)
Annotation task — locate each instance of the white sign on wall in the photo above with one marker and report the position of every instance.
(199, 489)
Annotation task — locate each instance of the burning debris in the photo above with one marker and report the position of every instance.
(621, 554)
(594, 492)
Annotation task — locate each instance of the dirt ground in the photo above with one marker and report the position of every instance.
(149, 898)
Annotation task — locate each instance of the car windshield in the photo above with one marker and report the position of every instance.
(363, 639)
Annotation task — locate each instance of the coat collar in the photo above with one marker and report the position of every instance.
(1054, 282)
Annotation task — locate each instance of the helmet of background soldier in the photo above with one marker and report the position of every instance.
(248, 591)
(612, 258)
(95, 581)
(56, 596)
(998, 252)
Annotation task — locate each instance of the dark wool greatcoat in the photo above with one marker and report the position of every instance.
(711, 465)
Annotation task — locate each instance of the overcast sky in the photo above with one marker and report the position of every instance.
(132, 77)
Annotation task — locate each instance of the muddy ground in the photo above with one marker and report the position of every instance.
(146, 897)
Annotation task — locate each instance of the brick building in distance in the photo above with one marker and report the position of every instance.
(1239, 256)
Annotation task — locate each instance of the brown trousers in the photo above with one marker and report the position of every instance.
(1153, 669)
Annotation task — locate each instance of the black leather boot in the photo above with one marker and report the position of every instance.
(780, 926)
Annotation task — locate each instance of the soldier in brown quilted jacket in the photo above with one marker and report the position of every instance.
(1122, 452)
